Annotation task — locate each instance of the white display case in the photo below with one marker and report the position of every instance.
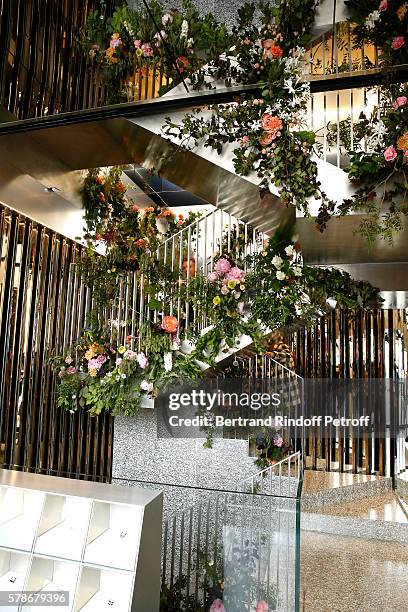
(63, 526)
(52, 575)
(100, 543)
(19, 515)
(103, 590)
(113, 531)
(13, 571)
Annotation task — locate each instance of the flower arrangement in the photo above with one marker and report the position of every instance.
(383, 23)
(241, 296)
(133, 40)
(378, 167)
(271, 448)
(97, 374)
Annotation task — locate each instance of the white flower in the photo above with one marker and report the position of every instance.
(184, 29)
(290, 250)
(288, 84)
(123, 376)
(277, 262)
(74, 397)
(280, 275)
(168, 362)
(377, 136)
(176, 344)
(190, 42)
(147, 386)
(297, 271)
(371, 19)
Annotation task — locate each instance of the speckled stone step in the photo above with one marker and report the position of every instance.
(355, 527)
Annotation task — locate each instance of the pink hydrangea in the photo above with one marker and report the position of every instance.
(147, 50)
(96, 363)
(397, 43)
(130, 354)
(400, 101)
(236, 274)
(390, 153)
(142, 360)
(217, 606)
(222, 266)
(212, 277)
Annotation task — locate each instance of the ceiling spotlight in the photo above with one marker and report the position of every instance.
(52, 189)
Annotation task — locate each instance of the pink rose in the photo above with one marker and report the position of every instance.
(71, 370)
(217, 606)
(118, 361)
(390, 153)
(383, 5)
(224, 290)
(137, 43)
(130, 354)
(147, 50)
(397, 43)
(401, 101)
(262, 606)
(222, 266)
(278, 440)
(212, 277)
(68, 359)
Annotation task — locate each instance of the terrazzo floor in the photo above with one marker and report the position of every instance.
(377, 508)
(341, 574)
(323, 481)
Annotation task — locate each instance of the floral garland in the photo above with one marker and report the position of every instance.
(271, 134)
(383, 23)
(379, 167)
(241, 296)
(129, 43)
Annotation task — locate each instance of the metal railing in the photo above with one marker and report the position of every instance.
(281, 478)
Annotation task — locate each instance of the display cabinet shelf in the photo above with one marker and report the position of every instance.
(63, 526)
(113, 530)
(100, 543)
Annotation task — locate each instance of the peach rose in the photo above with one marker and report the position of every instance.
(266, 139)
(271, 123)
(170, 324)
(402, 142)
